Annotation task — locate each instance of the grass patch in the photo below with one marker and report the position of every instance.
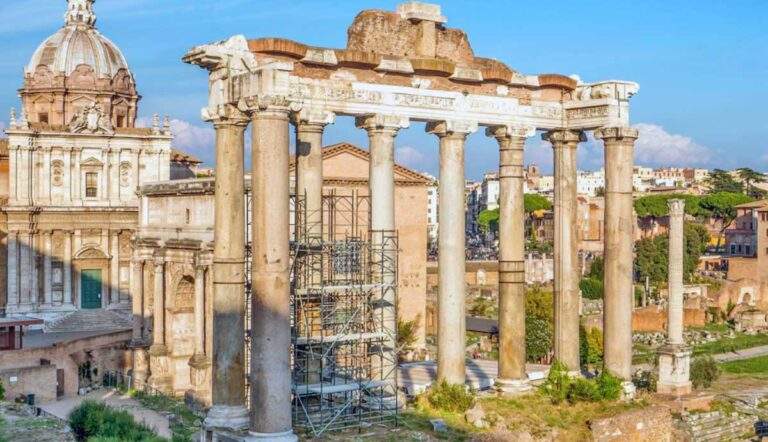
(728, 345)
(186, 423)
(753, 366)
(93, 420)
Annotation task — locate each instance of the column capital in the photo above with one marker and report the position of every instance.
(510, 131)
(225, 115)
(449, 128)
(676, 207)
(312, 119)
(159, 260)
(382, 122)
(260, 104)
(616, 133)
(564, 136)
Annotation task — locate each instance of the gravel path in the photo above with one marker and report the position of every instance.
(157, 421)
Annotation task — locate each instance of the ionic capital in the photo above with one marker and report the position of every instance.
(510, 131)
(460, 128)
(224, 115)
(261, 104)
(564, 137)
(312, 119)
(382, 122)
(676, 207)
(616, 134)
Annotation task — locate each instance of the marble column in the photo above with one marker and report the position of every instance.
(382, 130)
(619, 243)
(67, 267)
(675, 356)
(451, 320)
(138, 341)
(228, 410)
(566, 290)
(160, 378)
(114, 268)
(270, 312)
(199, 363)
(47, 269)
(309, 172)
(512, 376)
(13, 271)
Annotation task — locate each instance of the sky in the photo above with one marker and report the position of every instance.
(702, 65)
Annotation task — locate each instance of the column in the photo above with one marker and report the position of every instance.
(46, 181)
(451, 320)
(199, 363)
(675, 356)
(67, 264)
(147, 291)
(160, 378)
(76, 178)
(270, 317)
(512, 376)
(114, 267)
(13, 271)
(619, 223)
(137, 270)
(382, 130)
(228, 409)
(309, 171)
(47, 277)
(566, 290)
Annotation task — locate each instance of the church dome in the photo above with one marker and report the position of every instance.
(75, 69)
(78, 43)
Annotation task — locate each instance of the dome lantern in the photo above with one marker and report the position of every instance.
(80, 12)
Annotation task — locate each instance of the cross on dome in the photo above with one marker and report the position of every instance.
(80, 12)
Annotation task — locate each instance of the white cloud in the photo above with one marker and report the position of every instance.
(657, 147)
(409, 156)
(199, 141)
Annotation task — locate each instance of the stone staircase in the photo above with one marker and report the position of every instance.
(90, 320)
(719, 426)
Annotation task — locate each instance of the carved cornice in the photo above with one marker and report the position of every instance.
(616, 133)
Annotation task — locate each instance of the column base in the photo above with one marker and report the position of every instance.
(628, 391)
(286, 436)
(226, 417)
(674, 370)
(512, 387)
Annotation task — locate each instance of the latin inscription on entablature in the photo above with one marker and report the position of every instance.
(491, 105)
(427, 101)
(303, 91)
(587, 112)
(547, 111)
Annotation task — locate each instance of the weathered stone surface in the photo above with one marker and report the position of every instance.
(652, 423)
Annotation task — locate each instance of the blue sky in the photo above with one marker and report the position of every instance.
(702, 65)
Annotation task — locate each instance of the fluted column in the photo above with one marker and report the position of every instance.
(619, 223)
(309, 171)
(566, 290)
(160, 378)
(451, 332)
(47, 271)
(13, 271)
(675, 281)
(675, 356)
(114, 267)
(228, 410)
(199, 363)
(67, 264)
(512, 375)
(270, 312)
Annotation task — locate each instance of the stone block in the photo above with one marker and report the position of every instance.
(652, 423)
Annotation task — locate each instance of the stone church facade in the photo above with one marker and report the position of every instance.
(73, 161)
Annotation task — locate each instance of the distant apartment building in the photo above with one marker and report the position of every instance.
(590, 183)
(741, 236)
(489, 191)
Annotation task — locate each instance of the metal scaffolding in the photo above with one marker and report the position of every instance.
(343, 304)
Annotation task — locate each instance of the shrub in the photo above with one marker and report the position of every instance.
(2, 391)
(558, 382)
(591, 346)
(591, 288)
(406, 334)
(95, 421)
(704, 371)
(538, 338)
(609, 386)
(450, 397)
(583, 390)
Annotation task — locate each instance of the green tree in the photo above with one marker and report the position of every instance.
(722, 181)
(652, 254)
(656, 206)
(488, 220)
(534, 202)
(750, 177)
(722, 206)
